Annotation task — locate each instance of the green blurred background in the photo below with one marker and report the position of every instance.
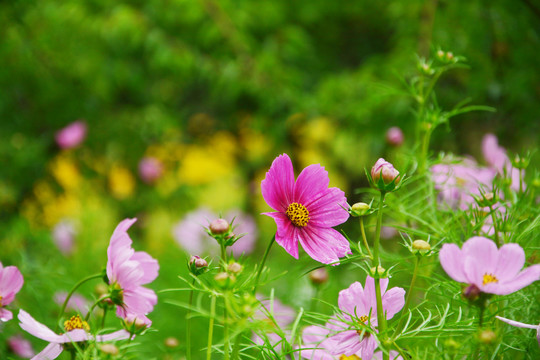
(215, 90)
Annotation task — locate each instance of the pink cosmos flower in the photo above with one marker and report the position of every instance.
(277, 315)
(484, 267)
(11, 281)
(497, 158)
(20, 347)
(394, 136)
(317, 347)
(150, 169)
(359, 314)
(72, 135)
(76, 331)
(306, 210)
(522, 325)
(76, 302)
(127, 270)
(64, 235)
(243, 224)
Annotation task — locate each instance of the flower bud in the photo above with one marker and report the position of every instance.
(136, 324)
(383, 170)
(234, 268)
(224, 279)
(319, 276)
(171, 342)
(520, 162)
(487, 337)
(198, 262)
(471, 292)
(421, 247)
(378, 273)
(394, 136)
(360, 209)
(219, 227)
(109, 349)
(486, 199)
(150, 169)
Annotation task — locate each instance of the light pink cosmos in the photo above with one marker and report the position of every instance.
(317, 347)
(359, 311)
(394, 136)
(306, 210)
(20, 347)
(72, 135)
(494, 271)
(77, 303)
(11, 281)
(64, 235)
(150, 169)
(522, 325)
(497, 158)
(243, 224)
(127, 270)
(56, 342)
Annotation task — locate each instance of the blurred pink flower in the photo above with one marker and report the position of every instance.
(150, 169)
(522, 325)
(20, 347)
(243, 224)
(306, 210)
(72, 135)
(359, 306)
(11, 281)
(317, 347)
(76, 302)
(76, 331)
(497, 159)
(394, 136)
(484, 267)
(64, 235)
(276, 315)
(127, 270)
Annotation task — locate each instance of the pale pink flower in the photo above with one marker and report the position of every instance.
(484, 267)
(150, 169)
(394, 136)
(76, 331)
(127, 270)
(11, 281)
(64, 235)
(386, 170)
(191, 235)
(317, 347)
(522, 325)
(72, 135)
(77, 303)
(20, 347)
(306, 210)
(243, 224)
(359, 313)
(497, 158)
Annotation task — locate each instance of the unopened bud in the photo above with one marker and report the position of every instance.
(486, 199)
(379, 272)
(421, 246)
(394, 136)
(319, 276)
(449, 56)
(385, 171)
(171, 342)
(360, 209)
(471, 292)
(235, 268)
(198, 262)
(440, 54)
(109, 349)
(224, 279)
(487, 337)
(219, 226)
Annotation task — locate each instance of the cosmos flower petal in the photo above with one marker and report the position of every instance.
(286, 234)
(11, 281)
(348, 299)
(483, 250)
(51, 351)
(523, 279)
(310, 183)
(393, 301)
(315, 343)
(37, 329)
(451, 260)
(325, 245)
(510, 261)
(494, 154)
(516, 323)
(5, 315)
(278, 186)
(328, 209)
(346, 342)
(149, 266)
(76, 335)
(114, 336)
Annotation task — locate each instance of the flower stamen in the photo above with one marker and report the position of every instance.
(489, 278)
(76, 323)
(298, 214)
(352, 357)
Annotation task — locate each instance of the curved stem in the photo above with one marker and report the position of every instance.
(364, 236)
(259, 270)
(94, 306)
(211, 328)
(493, 217)
(63, 308)
(188, 325)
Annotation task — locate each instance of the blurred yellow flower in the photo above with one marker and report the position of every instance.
(121, 182)
(255, 145)
(65, 172)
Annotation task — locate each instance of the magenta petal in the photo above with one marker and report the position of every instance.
(51, 351)
(325, 245)
(511, 260)
(286, 234)
(5, 315)
(278, 185)
(11, 281)
(310, 183)
(328, 209)
(451, 260)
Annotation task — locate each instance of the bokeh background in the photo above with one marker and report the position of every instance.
(213, 91)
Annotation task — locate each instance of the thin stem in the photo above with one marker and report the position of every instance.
(520, 181)
(223, 253)
(188, 324)
(364, 236)
(493, 217)
(211, 328)
(104, 316)
(381, 319)
(94, 306)
(226, 345)
(63, 308)
(259, 270)
(481, 316)
(378, 232)
(409, 295)
(236, 348)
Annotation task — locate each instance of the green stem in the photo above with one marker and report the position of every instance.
(481, 316)
(520, 181)
(211, 327)
(63, 308)
(236, 348)
(381, 319)
(409, 296)
(259, 270)
(226, 345)
(223, 254)
(493, 217)
(364, 236)
(378, 232)
(188, 324)
(94, 306)
(104, 316)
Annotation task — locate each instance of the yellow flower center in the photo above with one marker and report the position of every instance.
(0, 300)
(76, 323)
(352, 357)
(362, 332)
(489, 278)
(298, 214)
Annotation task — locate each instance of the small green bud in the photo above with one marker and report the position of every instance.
(421, 247)
(109, 349)
(379, 272)
(171, 342)
(360, 209)
(225, 280)
(234, 268)
(486, 199)
(318, 276)
(487, 337)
